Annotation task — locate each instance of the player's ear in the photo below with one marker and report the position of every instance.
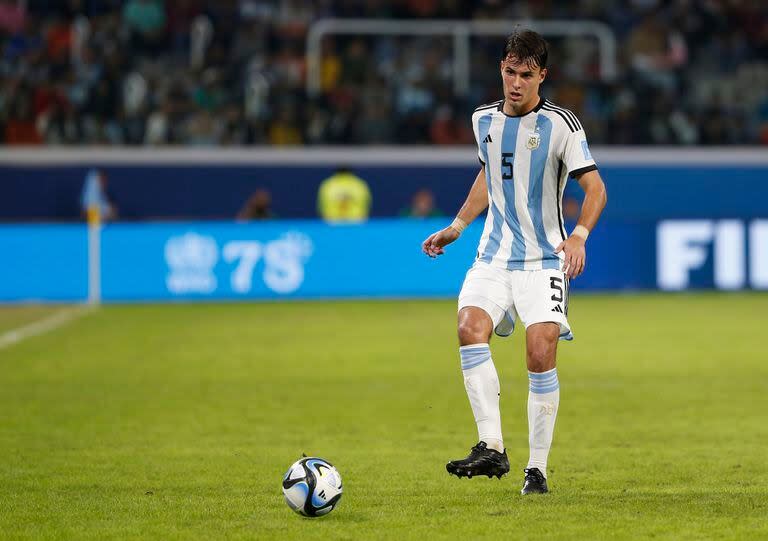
(542, 75)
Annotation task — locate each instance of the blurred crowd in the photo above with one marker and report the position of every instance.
(233, 72)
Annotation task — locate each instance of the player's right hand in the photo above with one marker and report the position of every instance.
(433, 244)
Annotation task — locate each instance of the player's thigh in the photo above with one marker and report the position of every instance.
(542, 297)
(488, 289)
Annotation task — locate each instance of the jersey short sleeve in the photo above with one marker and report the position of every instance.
(476, 130)
(481, 121)
(576, 155)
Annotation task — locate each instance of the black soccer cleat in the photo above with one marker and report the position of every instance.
(535, 482)
(481, 461)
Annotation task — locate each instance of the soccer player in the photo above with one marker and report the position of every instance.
(528, 147)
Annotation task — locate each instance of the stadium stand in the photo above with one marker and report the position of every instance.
(232, 72)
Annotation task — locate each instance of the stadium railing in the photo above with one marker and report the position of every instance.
(460, 31)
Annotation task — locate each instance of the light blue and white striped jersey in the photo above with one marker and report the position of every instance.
(527, 160)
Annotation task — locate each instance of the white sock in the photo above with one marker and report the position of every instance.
(482, 385)
(543, 402)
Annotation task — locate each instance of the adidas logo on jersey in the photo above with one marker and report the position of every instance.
(488, 139)
(557, 309)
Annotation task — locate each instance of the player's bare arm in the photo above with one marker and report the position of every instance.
(476, 202)
(574, 248)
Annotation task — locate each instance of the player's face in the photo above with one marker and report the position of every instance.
(521, 84)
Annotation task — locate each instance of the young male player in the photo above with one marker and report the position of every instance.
(528, 147)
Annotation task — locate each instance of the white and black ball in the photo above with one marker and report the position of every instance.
(312, 487)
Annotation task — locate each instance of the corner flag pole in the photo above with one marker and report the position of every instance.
(94, 255)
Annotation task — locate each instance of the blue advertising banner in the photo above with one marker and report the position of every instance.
(380, 258)
(282, 259)
(43, 262)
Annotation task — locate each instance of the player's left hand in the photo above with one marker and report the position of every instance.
(575, 255)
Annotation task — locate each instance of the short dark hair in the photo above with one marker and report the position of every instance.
(528, 47)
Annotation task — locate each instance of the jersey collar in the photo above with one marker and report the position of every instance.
(534, 110)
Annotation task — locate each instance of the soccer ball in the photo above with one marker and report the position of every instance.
(312, 487)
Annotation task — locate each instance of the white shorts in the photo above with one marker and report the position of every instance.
(535, 296)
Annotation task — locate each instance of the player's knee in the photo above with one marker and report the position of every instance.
(541, 356)
(472, 331)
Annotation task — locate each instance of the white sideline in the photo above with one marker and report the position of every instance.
(42, 326)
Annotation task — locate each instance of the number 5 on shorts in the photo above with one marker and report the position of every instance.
(556, 284)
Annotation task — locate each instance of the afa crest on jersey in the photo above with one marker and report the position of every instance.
(533, 142)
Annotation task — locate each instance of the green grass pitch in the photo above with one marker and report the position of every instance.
(178, 421)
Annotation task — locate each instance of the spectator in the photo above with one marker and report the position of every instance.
(157, 130)
(21, 128)
(655, 52)
(422, 206)
(95, 198)
(284, 129)
(145, 20)
(13, 15)
(330, 66)
(374, 125)
(446, 130)
(257, 207)
(59, 40)
(344, 197)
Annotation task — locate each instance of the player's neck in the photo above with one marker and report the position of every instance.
(522, 109)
